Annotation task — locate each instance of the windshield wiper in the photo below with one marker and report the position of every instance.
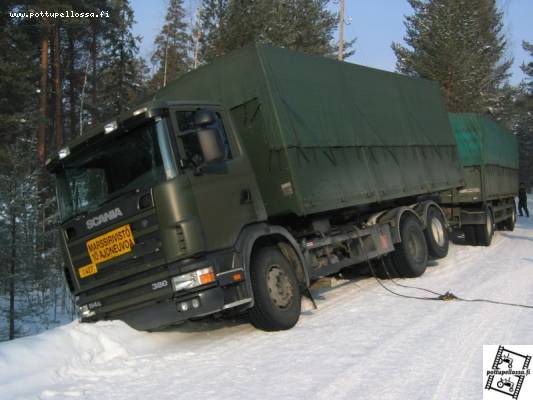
(117, 195)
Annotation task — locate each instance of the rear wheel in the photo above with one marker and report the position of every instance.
(484, 232)
(510, 222)
(277, 298)
(436, 234)
(411, 254)
(470, 234)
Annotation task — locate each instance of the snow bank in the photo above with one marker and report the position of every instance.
(32, 361)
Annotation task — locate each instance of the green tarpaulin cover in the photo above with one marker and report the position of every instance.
(323, 134)
(481, 141)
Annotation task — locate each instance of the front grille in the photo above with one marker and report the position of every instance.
(101, 291)
(146, 253)
(182, 244)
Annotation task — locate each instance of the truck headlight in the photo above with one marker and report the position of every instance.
(63, 153)
(193, 279)
(110, 127)
(85, 312)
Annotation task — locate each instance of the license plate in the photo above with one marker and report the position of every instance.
(111, 244)
(88, 270)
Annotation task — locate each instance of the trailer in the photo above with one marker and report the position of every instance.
(239, 184)
(489, 156)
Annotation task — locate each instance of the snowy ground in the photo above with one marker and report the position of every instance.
(362, 342)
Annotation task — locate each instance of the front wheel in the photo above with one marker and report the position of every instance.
(277, 297)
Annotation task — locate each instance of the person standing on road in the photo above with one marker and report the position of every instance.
(522, 200)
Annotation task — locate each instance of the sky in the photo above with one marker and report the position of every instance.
(375, 24)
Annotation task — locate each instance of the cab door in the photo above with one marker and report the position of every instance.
(226, 194)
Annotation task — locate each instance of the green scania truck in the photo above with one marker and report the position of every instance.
(245, 180)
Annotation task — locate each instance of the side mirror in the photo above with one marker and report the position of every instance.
(212, 149)
(204, 118)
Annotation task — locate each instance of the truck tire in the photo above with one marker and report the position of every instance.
(277, 297)
(436, 234)
(484, 232)
(470, 235)
(410, 256)
(510, 222)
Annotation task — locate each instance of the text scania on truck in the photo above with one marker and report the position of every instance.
(245, 180)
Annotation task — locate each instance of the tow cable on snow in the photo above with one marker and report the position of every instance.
(448, 296)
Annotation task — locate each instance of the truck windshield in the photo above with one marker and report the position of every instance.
(117, 164)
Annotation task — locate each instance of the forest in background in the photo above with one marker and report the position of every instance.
(59, 76)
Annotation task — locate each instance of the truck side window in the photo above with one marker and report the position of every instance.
(189, 137)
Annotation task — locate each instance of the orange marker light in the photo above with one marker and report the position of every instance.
(237, 277)
(207, 277)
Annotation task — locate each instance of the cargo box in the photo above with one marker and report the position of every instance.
(489, 155)
(323, 134)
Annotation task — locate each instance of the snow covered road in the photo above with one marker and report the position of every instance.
(362, 342)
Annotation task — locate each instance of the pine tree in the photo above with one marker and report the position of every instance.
(303, 25)
(211, 28)
(18, 78)
(123, 71)
(173, 46)
(524, 118)
(18, 122)
(91, 39)
(460, 44)
(82, 61)
(528, 68)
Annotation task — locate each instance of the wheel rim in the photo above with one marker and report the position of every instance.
(437, 231)
(279, 287)
(414, 246)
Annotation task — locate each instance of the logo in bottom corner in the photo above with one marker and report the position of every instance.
(507, 372)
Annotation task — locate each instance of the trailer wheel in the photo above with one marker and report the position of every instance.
(509, 223)
(411, 254)
(277, 298)
(436, 234)
(470, 235)
(484, 232)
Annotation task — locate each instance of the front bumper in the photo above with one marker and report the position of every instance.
(148, 302)
(168, 312)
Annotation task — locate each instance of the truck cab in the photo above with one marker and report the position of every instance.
(151, 204)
